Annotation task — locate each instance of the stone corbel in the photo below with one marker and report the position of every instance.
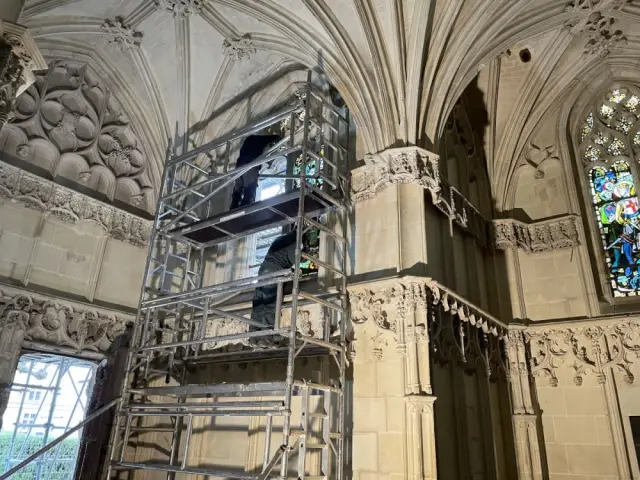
(540, 236)
(19, 59)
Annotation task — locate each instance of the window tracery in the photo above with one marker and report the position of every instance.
(610, 149)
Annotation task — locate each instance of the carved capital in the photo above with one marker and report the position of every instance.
(540, 236)
(392, 166)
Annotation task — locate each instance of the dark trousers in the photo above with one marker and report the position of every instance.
(244, 190)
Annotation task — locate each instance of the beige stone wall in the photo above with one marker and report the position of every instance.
(39, 250)
(379, 418)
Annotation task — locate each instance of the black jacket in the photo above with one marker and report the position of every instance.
(253, 146)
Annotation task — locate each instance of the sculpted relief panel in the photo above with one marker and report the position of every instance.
(71, 126)
(59, 323)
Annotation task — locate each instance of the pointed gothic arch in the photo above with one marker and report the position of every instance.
(608, 148)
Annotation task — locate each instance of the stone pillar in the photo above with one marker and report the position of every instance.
(420, 437)
(523, 413)
(19, 58)
(14, 324)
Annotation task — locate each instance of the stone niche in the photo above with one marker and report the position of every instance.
(70, 127)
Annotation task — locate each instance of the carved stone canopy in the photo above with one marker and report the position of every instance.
(71, 126)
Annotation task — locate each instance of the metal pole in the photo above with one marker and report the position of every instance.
(48, 447)
(286, 430)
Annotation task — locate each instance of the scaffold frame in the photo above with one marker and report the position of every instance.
(177, 303)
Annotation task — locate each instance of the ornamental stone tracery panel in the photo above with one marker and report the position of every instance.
(71, 127)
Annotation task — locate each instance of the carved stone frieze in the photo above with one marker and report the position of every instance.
(395, 165)
(70, 206)
(59, 322)
(541, 236)
(70, 125)
(118, 34)
(240, 48)
(182, 8)
(587, 348)
(456, 329)
(308, 322)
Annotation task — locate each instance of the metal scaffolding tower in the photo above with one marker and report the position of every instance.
(179, 303)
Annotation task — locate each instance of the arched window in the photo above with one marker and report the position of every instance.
(609, 147)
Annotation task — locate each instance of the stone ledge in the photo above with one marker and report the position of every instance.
(70, 206)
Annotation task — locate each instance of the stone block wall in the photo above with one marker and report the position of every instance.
(80, 259)
(379, 416)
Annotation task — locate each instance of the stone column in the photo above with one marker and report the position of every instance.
(524, 416)
(19, 58)
(420, 437)
(14, 324)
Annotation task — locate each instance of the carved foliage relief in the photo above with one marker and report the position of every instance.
(71, 126)
(586, 349)
(47, 320)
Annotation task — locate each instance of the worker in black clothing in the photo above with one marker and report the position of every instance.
(280, 256)
(244, 190)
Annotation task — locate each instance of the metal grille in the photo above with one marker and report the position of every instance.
(48, 397)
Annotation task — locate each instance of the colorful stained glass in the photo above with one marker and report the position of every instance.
(617, 96)
(310, 170)
(592, 154)
(618, 214)
(632, 103)
(606, 111)
(616, 147)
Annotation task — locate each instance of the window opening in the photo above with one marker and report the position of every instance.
(271, 187)
(610, 143)
(48, 397)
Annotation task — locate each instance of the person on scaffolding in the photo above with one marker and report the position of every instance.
(280, 256)
(244, 190)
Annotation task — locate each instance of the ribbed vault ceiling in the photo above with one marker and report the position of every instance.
(191, 65)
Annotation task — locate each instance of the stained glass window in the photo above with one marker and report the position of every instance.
(312, 169)
(610, 142)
